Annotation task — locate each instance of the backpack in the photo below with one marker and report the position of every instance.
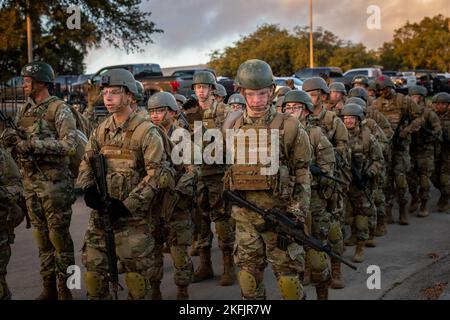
(84, 130)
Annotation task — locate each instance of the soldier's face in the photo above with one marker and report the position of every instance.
(30, 87)
(385, 93)
(359, 85)
(416, 98)
(335, 96)
(116, 99)
(158, 115)
(236, 106)
(317, 97)
(294, 108)
(202, 91)
(258, 100)
(441, 107)
(350, 122)
(218, 98)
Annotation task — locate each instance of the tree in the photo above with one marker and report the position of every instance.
(117, 23)
(352, 56)
(420, 45)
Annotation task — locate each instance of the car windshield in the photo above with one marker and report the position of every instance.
(181, 73)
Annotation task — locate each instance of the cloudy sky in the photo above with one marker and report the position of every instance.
(193, 28)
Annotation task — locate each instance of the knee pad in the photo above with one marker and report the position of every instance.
(136, 284)
(179, 256)
(361, 223)
(96, 284)
(57, 240)
(290, 287)
(424, 182)
(248, 283)
(400, 181)
(335, 233)
(41, 238)
(319, 266)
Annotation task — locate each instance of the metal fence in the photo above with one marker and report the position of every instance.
(11, 98)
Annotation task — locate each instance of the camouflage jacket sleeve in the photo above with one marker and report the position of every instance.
(66, 142)
(375, 165)
(341, 138)
(141, 197)
(432, 120)
(415, 115)
(86, 175)
(10, 180)
(383, 123)
(300, 160)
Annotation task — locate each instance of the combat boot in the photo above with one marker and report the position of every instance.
(156, 290)
(350, 242)
(359, 252)
(49, 291)
(182, 293)
(423, 209)
(381, 228)
(443, 204)
(228, 277)
(322, 292)
(414, 205)
(371, 242)
(205, 270)
(64, 293)
(403, 218)
(388, 214)
(336, 275)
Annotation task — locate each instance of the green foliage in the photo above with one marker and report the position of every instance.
(415, 45)
(118, 23)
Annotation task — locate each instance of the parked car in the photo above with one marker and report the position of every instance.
(441, 83)
(371, 73)
(185, 78)
(281, 82)
(330, 72)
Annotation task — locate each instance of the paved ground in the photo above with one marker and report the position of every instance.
(407, 256)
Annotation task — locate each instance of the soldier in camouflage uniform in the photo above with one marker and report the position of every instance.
(360, 81)
(236, 102)
(299, 104)
(178, 225)
(136, 173)
(441, 174)
(337, 97)
(46, 141)
(422, 153)
(367, 160)
(210, 206)
(287, 189)
(10, 192)
(180, 99)
(405, 118)
(220, 93)
(337, 134)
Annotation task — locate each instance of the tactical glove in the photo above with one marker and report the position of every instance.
(92, 198)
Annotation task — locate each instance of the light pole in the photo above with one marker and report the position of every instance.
(29, 37)
(311, 49)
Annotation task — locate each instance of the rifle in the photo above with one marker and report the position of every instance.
(360, 181)
(284, 226)
(13, 126)
(430, 133)
(98, 164)
(317, 172)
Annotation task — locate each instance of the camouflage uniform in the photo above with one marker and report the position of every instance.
(136, 171)
(367, 159)
(422, 160)
(288, 189)
(49, 183)
(176, 227)
(10, 192)
(394, 108)
(210, 206)
(441, 174)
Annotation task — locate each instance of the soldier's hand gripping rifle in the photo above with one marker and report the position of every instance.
(284, 226)
(316, 171)
(98, 165)
(360, 181)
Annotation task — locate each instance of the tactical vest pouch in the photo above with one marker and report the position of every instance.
(247, 177)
